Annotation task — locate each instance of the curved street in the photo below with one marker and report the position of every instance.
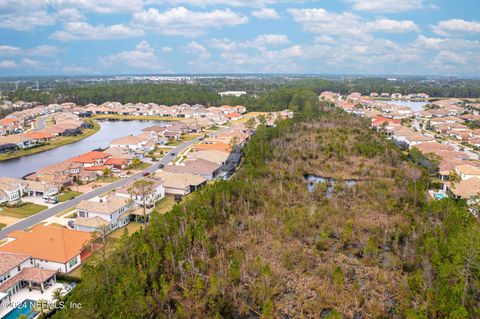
(37, 218)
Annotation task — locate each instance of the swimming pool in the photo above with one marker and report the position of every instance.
(26, 308)
(440, 195)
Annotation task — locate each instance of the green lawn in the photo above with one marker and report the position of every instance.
(191, 136)
(67, 195)
(165, 204)
(175, 143)
(24, 211)
(141, 166)
(2, 226)
(132, 228)
(108, 179)
(61, 141)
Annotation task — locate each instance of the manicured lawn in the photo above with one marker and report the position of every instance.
(2, 226)
(109, 179)
(165, 204)
(141, 166)
(67, 195)
(191, 136)
(26, 210)
(132, 227)
(61, 141)
(175, 143)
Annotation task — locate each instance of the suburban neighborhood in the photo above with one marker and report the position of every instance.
(150, 176)
(445, 131)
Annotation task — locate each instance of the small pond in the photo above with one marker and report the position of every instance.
(313, 180)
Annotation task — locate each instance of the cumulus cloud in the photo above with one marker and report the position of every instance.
(86, 31)
(142, 57)
(388, 25)
(445, 43)
(7, 64)
(456, 27)
(9, 50)
(184, 22)
(22, 21)
(322, 21)
(388, 6)
(266, 13)
(199, 50)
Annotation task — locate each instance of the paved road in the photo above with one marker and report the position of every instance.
(40, 123)
(37, 218)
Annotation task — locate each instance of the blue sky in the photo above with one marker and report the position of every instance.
(75, 37)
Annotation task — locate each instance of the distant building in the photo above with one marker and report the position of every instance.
(232, 93)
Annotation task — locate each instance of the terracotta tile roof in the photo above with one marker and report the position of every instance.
(38, 135)
(34, 275)
(468, 169)
(8, 261)
(116, 161)
(48, 243)
(219, 146)
(466, 188)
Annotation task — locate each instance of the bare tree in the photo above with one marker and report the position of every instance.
(142, 189)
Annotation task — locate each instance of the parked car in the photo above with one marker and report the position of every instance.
(50, 199)
(173, 153)
(115, 170)
(146, 174)
(123, 175)
(161, 166)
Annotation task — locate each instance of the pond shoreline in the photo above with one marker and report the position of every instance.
(61, 141)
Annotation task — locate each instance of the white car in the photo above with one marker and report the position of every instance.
(115, 170)
(123, 175)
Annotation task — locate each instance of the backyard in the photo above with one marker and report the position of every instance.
(67, 195)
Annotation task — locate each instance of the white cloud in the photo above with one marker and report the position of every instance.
(43, 50)
(265, 39)
(23, 21)
(395, 26)
(233, 3)
(199, 50)
(184, 22)
(456, 27)
(29, 63)
(266, 13)
(76, 69)
(319, 20)
(86, 31)
(9, 50)
(324, 22)
(445, 43)
(142, 57)
(7, 64)
(390, 6)
(167, 49)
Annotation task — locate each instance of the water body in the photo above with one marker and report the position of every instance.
(313, 180)
(109, 130)
(416, 106)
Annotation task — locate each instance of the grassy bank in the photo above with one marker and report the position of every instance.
(61, 141)
(134, 117)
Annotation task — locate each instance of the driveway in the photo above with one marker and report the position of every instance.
(37, 218)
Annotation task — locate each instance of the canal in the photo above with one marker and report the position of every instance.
(109, 130)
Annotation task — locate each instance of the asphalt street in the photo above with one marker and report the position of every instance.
(37, 218)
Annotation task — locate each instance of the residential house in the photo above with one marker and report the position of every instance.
(206, 169)
(158, 192)
(18, 271)
(52, 248)
(180, 184)
(114, 210)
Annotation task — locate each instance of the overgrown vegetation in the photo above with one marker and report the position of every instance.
(261, 245)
